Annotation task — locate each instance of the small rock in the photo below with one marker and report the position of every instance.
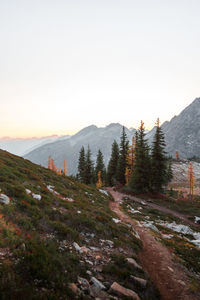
(167, 236)
(116, 220)
(133, 262)
(74, 288)
(181, 282)
(171, 269)
(151, 226)
(36, 196)
(99, 277)
(69, 199)
(84, 249)
(83, 282)
(121, 291)
(98, 257)
(4, 199)
(89, 273)
(97, 283)
(99, 269)
(89, 262)
(97, 292)
(142, 282)
(94, 248)
(23, 246)
(77, 247)
(110, 243)
(28, 191)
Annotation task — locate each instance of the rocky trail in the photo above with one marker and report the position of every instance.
(171, 278)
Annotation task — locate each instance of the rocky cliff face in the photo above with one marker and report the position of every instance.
(182, 133)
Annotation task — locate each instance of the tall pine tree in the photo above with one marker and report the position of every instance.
(81, 165)
(160, 166)
(100, 166)
(122, 162)
(89, 170)
(140, 178)
(112, 165)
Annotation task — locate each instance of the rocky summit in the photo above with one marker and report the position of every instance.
(182, 133)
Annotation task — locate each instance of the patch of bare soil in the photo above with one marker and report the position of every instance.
(171, 278)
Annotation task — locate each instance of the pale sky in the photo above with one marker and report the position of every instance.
(66, 64)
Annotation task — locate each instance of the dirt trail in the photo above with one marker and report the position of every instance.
(170, 277)
(163, 209)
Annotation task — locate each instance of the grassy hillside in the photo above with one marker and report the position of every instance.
(38, 259)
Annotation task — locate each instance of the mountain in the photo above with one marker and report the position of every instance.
(59, 236)
(182, 133)
(96, 138)
(20, 146)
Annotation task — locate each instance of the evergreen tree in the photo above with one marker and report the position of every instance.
(161, 170)
(112, 165)
(140, 178)
(169, 174)
(89, 170)
(99, 166)
(122, 161)
(81, 165)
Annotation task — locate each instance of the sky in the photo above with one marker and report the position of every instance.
(65, 65)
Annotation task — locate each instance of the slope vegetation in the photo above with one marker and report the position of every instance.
(60, 240)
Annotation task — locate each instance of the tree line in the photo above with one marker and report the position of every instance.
(137, 166)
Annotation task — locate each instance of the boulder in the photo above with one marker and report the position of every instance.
(121, 291)
(97, 292)
(133, 262)
(142, 282)
(4, 199)
(97, 283)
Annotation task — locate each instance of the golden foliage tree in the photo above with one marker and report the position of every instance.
(65, 167)
(130, 160)
(99, 180)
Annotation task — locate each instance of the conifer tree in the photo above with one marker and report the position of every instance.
(89, 170)
(159, 162)
(122, 162)
(112, 165)
(140, 178)
(81, 165)
(99, 166)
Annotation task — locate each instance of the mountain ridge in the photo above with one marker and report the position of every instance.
(182, 134)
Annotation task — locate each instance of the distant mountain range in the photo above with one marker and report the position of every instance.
(21, 146)
(182, 134)
(96, 138)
